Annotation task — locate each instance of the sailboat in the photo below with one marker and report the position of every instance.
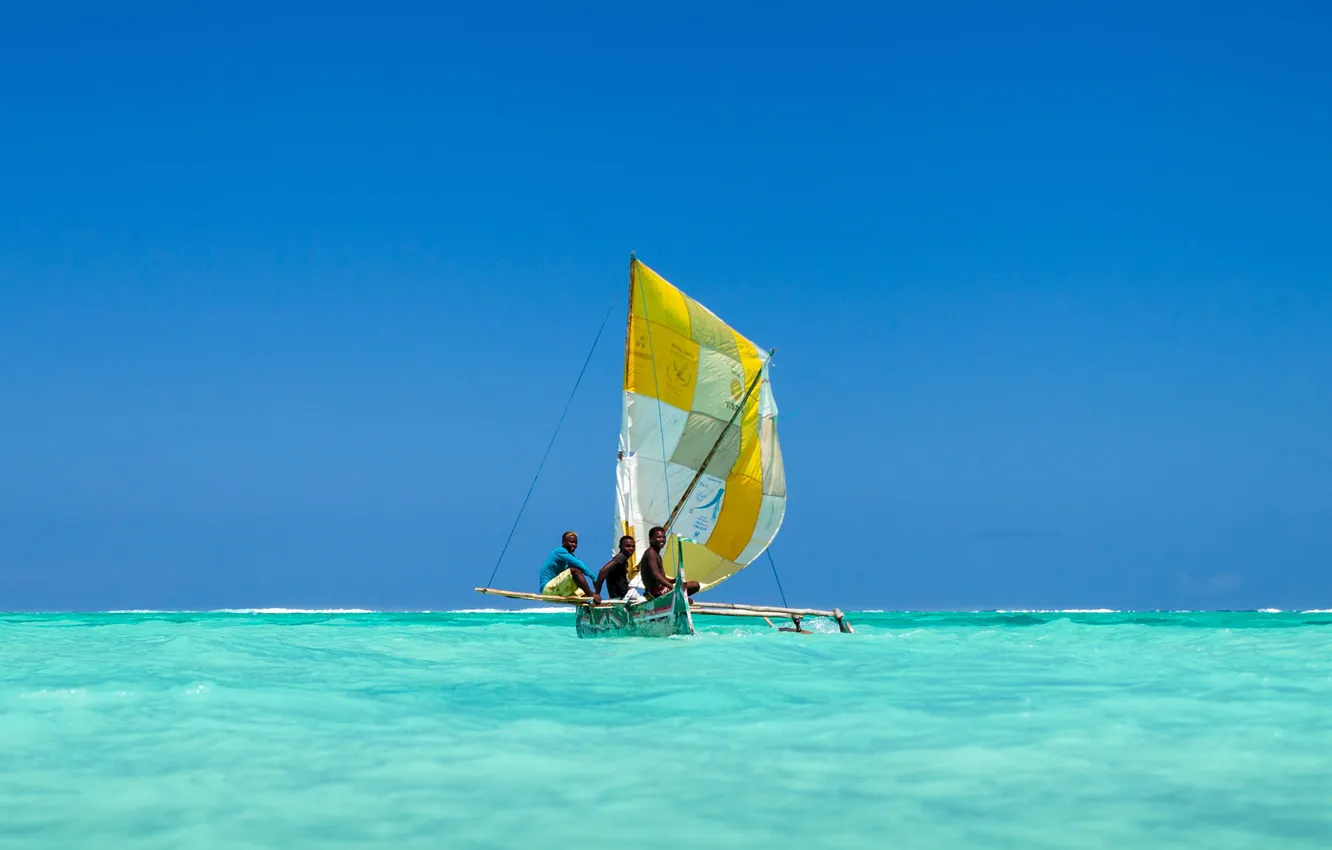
(698, 456)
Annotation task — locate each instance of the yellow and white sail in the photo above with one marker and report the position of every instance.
(685, 374)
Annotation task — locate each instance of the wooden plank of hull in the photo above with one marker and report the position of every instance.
(661, 617)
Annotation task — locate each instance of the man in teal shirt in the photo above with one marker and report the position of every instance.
(565, 575)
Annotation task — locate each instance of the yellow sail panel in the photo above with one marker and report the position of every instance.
(658, 301)
(735, 523)
(686, 373)
(662, 363)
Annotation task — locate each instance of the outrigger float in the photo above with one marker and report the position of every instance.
(698, 456)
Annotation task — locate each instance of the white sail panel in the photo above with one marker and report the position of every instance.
(651, 427)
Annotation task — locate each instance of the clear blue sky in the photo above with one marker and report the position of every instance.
(290, 299)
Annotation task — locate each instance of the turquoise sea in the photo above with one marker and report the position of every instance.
(923, 730)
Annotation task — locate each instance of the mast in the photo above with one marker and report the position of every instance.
(625, 526)
(703, 467)
(628, 339)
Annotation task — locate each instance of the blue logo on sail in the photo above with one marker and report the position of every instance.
(709, 510)
(715, 504)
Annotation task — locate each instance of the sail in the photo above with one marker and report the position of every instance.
(685, 375)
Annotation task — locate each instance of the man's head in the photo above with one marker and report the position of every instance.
(657, 537)
(569, 541)
(627, 544)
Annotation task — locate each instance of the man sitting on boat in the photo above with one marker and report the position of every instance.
(565, 575)
(615, 575)
(655, 580)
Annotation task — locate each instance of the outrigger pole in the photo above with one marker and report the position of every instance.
(712, 609)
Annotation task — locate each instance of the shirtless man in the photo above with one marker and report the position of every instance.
(655, 581)
(615, 574)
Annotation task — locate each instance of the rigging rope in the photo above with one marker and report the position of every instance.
(779, 580)
(551, 444)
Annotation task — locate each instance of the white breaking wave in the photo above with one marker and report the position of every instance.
(58, 693)
(1269, 610)
(1053, 611)
(291, 611)
(245, 611)
(542, 610)
(508, 611)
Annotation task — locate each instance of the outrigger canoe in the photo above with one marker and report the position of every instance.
(698, 457)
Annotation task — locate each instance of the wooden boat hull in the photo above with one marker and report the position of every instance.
(661, 617)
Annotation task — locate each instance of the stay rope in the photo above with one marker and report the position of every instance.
(779, 580)
(551, 444)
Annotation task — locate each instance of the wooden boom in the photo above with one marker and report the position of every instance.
(541, 597)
